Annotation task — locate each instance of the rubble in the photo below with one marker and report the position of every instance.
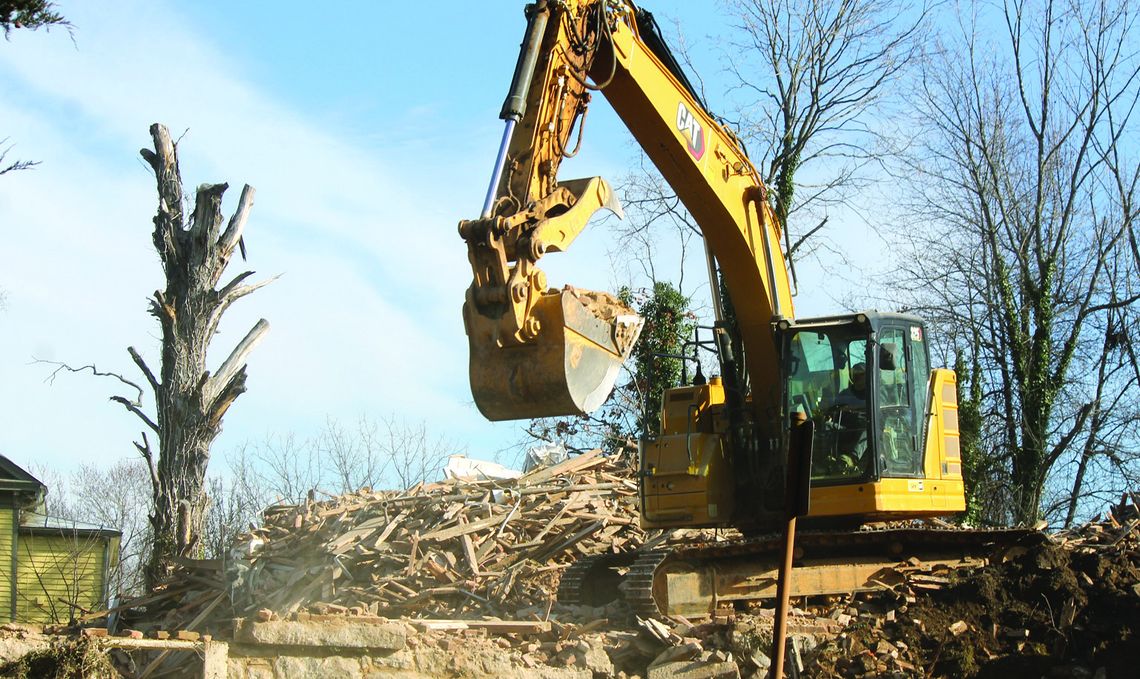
(1056, 606)
(454, 549)
(458, 579)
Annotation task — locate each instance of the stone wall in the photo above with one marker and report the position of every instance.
(350, 649)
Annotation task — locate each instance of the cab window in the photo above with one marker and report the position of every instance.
(899, 425)
(828, 381)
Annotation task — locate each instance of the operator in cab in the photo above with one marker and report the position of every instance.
(855, 395)
(848, 425)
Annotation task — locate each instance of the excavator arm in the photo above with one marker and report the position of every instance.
(537, 351)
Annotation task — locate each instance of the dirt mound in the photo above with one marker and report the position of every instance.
(1067, 606)
(64, 658)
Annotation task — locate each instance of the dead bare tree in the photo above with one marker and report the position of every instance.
(355, 457)
(110, 497)
(383, 453)
(415, 453)
(190, 400)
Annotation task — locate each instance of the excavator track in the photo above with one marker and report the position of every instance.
(595, 580)
(637, 589)
(695, 580)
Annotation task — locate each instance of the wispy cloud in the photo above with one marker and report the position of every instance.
(365, 317)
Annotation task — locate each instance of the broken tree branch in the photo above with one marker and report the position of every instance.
(233, 363)
(60, 367)
(234, 229)
(134, 408)
(138, 359)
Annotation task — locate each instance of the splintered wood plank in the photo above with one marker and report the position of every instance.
(469, 554)
(346, 539)
(461, 529)
(411, 569)
(570, 502)
(468, 548)
(564, 467)
(570, 541)
(391, 527)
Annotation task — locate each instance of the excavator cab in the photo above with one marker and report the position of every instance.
(886, 435)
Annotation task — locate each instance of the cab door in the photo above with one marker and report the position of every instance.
(901, 395)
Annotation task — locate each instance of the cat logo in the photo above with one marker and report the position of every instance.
(690, 128)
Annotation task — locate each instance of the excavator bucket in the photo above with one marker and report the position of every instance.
(570, 367)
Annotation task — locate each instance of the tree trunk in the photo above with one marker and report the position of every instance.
(190, 401)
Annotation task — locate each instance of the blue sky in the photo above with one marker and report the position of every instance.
(367, 133)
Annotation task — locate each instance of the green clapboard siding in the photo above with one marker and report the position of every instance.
(53, 569)
(7, 533)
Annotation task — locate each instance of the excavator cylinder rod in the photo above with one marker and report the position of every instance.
(497, 170)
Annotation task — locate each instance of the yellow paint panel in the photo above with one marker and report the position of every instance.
(7, 533)
(54, 569)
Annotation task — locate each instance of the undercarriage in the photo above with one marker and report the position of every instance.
(699, 579)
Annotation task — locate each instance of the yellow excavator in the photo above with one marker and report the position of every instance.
(885, 444)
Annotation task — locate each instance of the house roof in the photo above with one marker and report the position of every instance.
(13, 475)
(18, 487)
(42, 523)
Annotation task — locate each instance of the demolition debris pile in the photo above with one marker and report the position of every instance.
(474, 565)
(1066, 605)
(457, 548)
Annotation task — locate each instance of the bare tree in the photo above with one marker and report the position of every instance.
(61, 571)
(813, 82)
(283, 468)
(385, 453)
(817, 77)
(111, 497)
(1024, 263)
(357, 457)
(190, 400)
(233, 510)
(414, 453)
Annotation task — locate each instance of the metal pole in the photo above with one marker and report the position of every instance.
(714, 283)
(514, 107)
(797, 497)
(783, 591)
